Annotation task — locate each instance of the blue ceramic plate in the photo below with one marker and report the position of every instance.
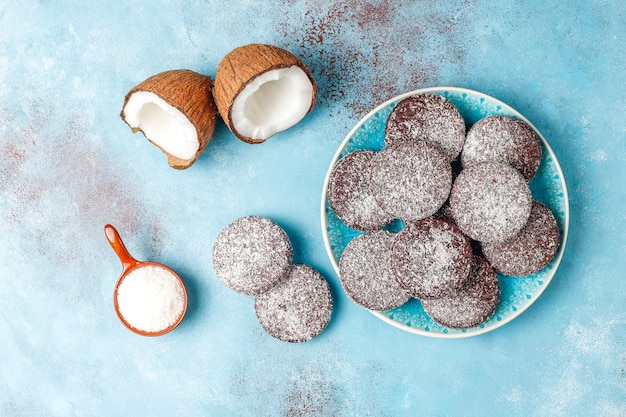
(548, 187)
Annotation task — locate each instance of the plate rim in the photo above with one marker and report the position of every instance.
(474, 331)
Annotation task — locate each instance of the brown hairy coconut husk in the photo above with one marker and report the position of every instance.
(261, 90)
(175, 111)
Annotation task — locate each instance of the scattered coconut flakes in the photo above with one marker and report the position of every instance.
(150, 298)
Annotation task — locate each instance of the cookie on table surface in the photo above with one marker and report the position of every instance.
(252, 254)
(490, 201)
(503, 139)
(427, 117)
(410, 180)
(470, 306)
(431, 258)
(531, 249)
(365, 272)
(298, 308)
(349, 193)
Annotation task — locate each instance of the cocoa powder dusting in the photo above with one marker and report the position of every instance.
(362, 53)
(312, 394)
(59, 187)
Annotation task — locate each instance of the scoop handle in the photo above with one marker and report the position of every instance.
(118, 246)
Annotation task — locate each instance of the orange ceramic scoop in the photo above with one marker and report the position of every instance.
(129, 265)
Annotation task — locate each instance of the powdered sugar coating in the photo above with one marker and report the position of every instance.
(365, 272)
(349, 193)
(427, 117)
(473, 304)
(490, 201)
(252, 254)
(531, 249)
(431, 258)
(503, 139)
(410, 179)
(298, 308)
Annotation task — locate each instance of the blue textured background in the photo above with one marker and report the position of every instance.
(68, 165)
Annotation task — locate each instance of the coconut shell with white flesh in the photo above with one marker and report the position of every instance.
(175, 111)
(261, 90)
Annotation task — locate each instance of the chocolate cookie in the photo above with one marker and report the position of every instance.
(427, 117)
(503, 139)
(365, 272)
(445, 213)
(531, 249)
(490, 201)
(470, 306)
(431, 258)
(297, 308)
(349, 193)
(252, 254)
(410, 180)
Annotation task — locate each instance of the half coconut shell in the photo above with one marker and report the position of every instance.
(175, 111)
(261, 90)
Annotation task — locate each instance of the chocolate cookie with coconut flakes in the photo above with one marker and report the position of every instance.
(471, 305)
(490, 201)
(503, 139)
(298, 308)
(427, 117)
(531, 249)
(252, 254)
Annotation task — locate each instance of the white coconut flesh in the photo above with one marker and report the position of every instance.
(164, 125)
(272, 102)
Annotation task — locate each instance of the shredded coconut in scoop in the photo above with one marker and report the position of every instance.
(150, 298)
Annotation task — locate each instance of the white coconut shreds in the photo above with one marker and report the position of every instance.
(503, 139)
(431, 258)
(150, 298)
(473, 304)
(531, 249)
